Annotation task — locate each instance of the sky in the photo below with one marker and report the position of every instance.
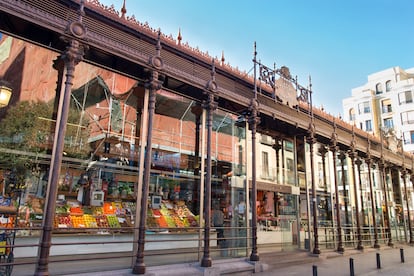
(337, 43)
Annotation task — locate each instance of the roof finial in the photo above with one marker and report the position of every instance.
(222, 58)
(213, 70)
(81, 10)
(123, 10)
(179, 37)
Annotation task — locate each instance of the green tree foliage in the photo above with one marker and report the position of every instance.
(30, 126)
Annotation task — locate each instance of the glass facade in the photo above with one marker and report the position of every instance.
(102, 162)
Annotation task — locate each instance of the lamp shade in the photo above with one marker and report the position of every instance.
(5, 95)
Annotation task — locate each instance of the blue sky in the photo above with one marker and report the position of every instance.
(336, 42)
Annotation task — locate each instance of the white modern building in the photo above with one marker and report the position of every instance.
(384, 103)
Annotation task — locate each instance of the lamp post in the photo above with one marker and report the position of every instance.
(5, 95)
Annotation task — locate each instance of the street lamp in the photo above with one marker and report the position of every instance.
(5, 95)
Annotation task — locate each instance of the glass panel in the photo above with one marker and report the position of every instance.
(229, 182)
(97, 186)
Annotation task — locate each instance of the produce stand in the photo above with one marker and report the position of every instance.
(8, 222)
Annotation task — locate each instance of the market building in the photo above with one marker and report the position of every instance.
(115, 134)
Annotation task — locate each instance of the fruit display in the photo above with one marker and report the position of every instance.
(96, 210)
(110, 215)
(7, 222)
(130, 207)
(62, 221)
(117, 207)
(90, 221)
(76, 210)
(113, 221)
(77, 221)
(108, 208)
(101, 221)
(171, 216)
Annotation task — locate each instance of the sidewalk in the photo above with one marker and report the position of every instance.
(286, 263)
(365, 263)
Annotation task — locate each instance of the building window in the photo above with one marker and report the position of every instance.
(388, 86)
(407, 118)
(388, 123)
(265, 165)
(378, 88)
(364, 108)
(368, 125)
(386, 106)
(405, 97)
(408, 137)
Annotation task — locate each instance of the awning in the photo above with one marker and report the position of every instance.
(272, 187)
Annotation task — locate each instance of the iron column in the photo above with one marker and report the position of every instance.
(153, 84)
(209, 105)
(73, 54)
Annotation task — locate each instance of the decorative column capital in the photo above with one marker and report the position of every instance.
(156, 63)
(358, 161)
(210, 91)
(334, 140)
(277, 145)
(253, 117)
(342, 156)
(353, 155)
(323, 150)
(403, 172)
(381, 164)
(75, 37)
(311, 133)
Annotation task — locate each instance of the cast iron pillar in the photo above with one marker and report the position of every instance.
(277, 146)
(209, 104)
(404, 176)
(358, 163)
(369, 163)
(342, 157)
(322, 152)
(254, 120)
(382, 167)
(334, 148)
(74, 37)
(353, 155)
(312, 140)
(408, 209)
(153, 84)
